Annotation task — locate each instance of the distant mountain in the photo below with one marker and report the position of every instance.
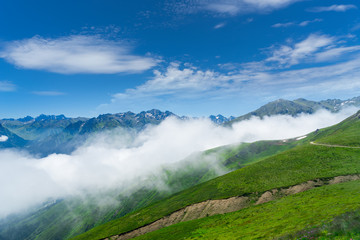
(43, 117)
(220, 119)
(298, 106)
(48, 134)
(125, 120)
(58, 134)
(9, 139)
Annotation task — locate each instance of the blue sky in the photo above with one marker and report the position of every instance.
(192, 57)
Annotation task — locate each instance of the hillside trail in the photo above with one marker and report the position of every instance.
(329, 145)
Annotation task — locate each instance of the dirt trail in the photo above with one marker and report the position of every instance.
(329, 145)
(213, 207)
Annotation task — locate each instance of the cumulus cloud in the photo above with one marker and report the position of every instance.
(334, 8)
(3, 138)
(75, 54)
(6, 86)
(177, 78)
(120, 158)
(338, 70)
(290, 55)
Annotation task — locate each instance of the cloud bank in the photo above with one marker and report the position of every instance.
(75, 54)
(121, 158)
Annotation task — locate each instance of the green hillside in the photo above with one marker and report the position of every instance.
(346, 133)
(72, 216)
(298, 165)
(273, 219)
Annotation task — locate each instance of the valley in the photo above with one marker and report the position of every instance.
(222, 180)
(301, 164)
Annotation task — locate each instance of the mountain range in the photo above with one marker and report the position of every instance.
(48, 134)
(310, 191)
(298, 106)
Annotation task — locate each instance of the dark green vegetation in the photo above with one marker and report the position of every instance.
(74, 216)
(345, 226)
(272, 219)
(298, 165)
(293, 108)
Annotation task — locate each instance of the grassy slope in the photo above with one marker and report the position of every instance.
(345, 226)
(346, 133)
(295, 166)
(272, 219)
(289, 168)
(71, 217)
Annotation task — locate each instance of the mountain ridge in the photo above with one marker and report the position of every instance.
(296, 107)
(46, 134)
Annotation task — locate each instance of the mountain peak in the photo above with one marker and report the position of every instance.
(43, 117)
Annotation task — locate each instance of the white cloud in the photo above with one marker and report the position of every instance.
(48, 93)
(305, 23)
(301, 24)
(335, 8)
(220, 25)
(176, 79)
(6, 86)
(291, 55)
(120, 158)
(3, 138)
(231, 7)
(75, 54)
(334, 53)
(287, 24)
(274, 76)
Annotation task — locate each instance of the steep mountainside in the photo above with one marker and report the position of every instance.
(72, 216)
(10, 140)
(58, 134)
(296, 166)
(293, 108)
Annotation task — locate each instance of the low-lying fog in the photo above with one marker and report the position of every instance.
(118, 157)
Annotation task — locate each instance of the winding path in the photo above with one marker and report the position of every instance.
(329, 145)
